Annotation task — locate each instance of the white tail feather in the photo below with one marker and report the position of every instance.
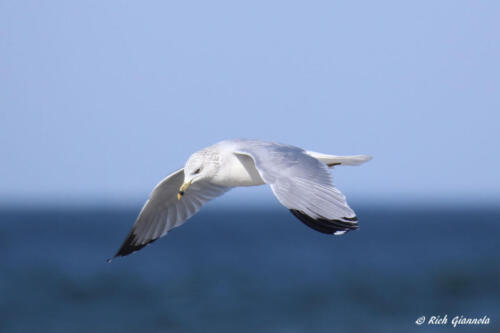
(332, 160)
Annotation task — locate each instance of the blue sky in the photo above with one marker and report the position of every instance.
(99, 100)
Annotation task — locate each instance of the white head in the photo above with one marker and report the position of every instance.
(202, 165)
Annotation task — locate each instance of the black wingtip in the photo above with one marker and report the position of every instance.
(130, 245)
(326, 226)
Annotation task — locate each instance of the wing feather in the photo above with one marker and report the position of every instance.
(163, 212)
(304, 185)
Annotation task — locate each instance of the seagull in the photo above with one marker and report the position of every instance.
(299, 179)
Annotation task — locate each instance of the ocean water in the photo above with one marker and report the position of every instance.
(258, 270)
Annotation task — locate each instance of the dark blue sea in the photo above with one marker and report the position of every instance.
(257, 270)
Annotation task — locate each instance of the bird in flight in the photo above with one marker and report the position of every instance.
(299, 179)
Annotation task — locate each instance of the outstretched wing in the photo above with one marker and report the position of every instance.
(303, 185)
(163, 212)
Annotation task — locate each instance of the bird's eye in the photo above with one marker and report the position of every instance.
(197, 171)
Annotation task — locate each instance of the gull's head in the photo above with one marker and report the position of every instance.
(202, 165)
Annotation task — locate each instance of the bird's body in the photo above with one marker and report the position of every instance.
(300, 180)
(234, 170)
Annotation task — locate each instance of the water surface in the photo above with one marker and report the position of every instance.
(247, 271)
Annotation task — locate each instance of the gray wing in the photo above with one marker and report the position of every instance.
(163, 212)
(304, 185)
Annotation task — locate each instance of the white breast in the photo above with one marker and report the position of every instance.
(237, 171)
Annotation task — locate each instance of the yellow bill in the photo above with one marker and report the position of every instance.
(183, 189)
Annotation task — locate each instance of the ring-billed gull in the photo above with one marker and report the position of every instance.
(300, 179)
